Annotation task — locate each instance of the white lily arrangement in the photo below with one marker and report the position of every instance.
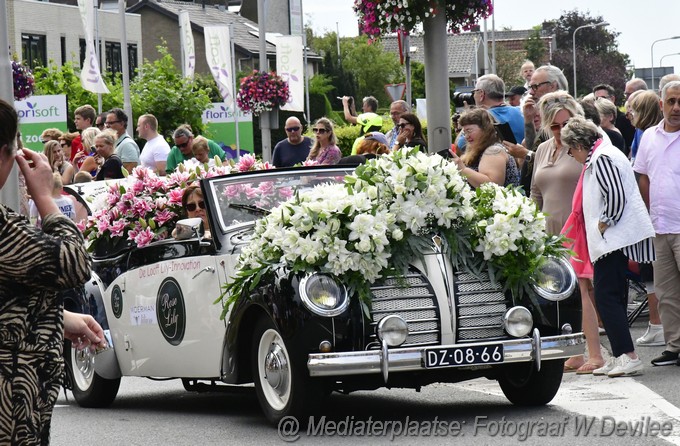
(384, 215)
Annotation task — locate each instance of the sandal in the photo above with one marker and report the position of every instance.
(568, 368)
(587, 368)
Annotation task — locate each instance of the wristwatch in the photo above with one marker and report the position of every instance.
(529, 157)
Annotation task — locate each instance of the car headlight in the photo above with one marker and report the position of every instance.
(518, 322)
(323, 295)
(556, 280)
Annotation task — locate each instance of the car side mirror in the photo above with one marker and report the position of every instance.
(189, 228)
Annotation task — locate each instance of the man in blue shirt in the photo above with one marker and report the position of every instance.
(489, 93)
(295, 148)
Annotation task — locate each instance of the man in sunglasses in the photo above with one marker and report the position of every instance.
(295, 148)
(126, 147)
(183, 148)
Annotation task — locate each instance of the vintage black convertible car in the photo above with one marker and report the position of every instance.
(299, 337)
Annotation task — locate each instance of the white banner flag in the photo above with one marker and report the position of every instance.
(218, 54)
(290, 66)
(90, 75)
(187, 40)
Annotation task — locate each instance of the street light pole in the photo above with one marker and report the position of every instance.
(654, 43)
(573, 50)
(665, 56)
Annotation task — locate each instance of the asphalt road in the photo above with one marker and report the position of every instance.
(588, 410)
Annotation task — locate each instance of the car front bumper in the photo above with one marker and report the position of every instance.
(408, 359)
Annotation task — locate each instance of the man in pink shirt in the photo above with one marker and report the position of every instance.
(658, 163)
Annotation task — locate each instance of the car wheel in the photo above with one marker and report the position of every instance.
(524, 386)
(282, 385)
(89, 389)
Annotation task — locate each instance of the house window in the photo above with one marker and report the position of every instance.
(114, 61)
(34, 50)
(63, 50)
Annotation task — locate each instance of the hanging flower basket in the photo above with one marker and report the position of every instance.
(379, 17)
(262, 91)
(23, 81)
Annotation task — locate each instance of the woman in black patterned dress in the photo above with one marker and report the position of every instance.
(34, 265)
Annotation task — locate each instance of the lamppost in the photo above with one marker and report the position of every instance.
(573, 44)
(654, 43)
(665, 56)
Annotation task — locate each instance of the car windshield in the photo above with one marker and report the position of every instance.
(245, 198)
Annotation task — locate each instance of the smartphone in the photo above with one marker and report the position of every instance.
(505, 132)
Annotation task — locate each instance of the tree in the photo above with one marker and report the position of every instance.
(162, 90)
(362, 69)
(65, 79)
(508, 64)
(534, 46)
(597, 57)
(159, 88)
(417, 80)
(371, 66)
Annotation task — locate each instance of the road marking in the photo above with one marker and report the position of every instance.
(624, 399)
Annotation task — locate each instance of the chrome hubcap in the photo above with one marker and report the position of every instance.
(276, 369)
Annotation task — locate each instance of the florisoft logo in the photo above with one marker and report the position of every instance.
(32, 110)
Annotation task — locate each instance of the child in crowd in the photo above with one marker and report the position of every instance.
(65, 203)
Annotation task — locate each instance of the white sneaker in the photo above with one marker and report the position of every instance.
(626, 366)
(653, 337)
(607, 367)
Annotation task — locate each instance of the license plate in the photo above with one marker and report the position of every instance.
(458, 356)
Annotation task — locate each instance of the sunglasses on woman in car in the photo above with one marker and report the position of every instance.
(191, 207)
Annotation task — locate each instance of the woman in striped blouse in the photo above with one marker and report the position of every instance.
(617, 228)
(34, 265)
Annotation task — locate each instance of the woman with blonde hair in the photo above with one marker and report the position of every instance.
(112, 168)
(555, 177)
(56, 157)
(485, 159)
(325, 149)
(87, 160)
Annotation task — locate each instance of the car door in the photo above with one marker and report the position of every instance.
(164, 320)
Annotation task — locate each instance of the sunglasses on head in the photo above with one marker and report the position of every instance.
(319, 130)
(191, 207)
(292, 129)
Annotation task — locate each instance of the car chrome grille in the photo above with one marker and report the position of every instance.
(480, 308)
(412, 298)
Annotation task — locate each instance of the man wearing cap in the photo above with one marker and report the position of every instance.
(295, 148)
(368, 120)
(514, 96)
(183, 148)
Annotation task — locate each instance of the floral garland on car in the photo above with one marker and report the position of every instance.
(144, 207)
(384, 215)
(262, 91)
(379, 17)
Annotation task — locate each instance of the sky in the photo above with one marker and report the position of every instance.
(639, 23)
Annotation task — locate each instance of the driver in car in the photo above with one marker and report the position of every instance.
(194, 205)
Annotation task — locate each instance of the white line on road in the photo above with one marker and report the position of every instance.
(623, 399)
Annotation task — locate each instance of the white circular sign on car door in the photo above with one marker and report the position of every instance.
(170, 311)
